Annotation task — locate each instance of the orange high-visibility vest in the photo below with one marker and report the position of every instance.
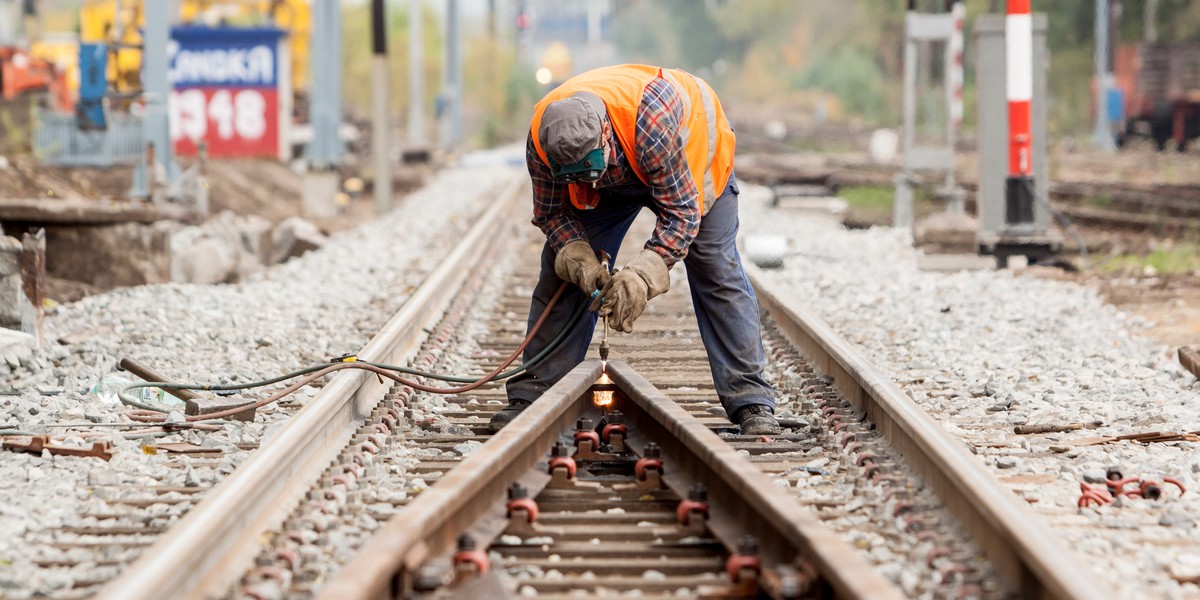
(707, 137)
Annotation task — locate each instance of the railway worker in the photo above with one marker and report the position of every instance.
(603, 146)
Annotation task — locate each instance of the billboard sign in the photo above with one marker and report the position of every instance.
(230, 88)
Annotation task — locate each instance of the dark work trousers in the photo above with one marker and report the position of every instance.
(725, 304)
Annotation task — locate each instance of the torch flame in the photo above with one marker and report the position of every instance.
(602, 398)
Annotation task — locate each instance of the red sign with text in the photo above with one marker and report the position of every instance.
(235, 122)
(228, 91)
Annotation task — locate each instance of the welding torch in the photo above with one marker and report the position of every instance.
(604, 258)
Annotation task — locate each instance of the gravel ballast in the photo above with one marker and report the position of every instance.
(986, 351)
(308, 310)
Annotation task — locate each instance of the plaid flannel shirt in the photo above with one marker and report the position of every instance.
(661, 157)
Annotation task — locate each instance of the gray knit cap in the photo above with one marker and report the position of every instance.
(570, 127)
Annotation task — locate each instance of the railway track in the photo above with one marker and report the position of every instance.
(1163, 208)
(370, 488)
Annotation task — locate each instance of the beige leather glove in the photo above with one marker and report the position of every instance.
(625, 297)
(576, 262)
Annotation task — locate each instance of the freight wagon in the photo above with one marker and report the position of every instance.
(1160, 85)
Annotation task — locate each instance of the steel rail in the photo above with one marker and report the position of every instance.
(1023, 551)
(428, 526)
(200, 555)
(743, 498)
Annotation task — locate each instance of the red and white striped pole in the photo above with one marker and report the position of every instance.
(1018, 43)
(958, 13)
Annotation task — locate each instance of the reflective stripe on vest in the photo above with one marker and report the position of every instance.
(709, 157)
(710, 116)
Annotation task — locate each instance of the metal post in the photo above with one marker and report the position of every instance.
(10, 22)
(452, 92)
(379, 113)
(1018, 43)
(954, 70)
(31, 21)
(491, 18)
(416, 76)
(954, 101)
(1102, 134)
(594, 34)
(1150, 31)
(157, 87)
(902, 204)
(324, 151)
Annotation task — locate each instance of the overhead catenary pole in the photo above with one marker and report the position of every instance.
(379, 108)
(595, 34)
(416, 76)
(491, 18)
(1019, 188)
(325, 149)
(157, 89)
(1102, 134)
(1150, 33)
(452, 91)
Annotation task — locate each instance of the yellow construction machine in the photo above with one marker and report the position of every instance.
(117, 23)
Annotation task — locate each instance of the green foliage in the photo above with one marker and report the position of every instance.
(15, 126)
(500, 92)
(774, 50)
(868, 199)
(851, 75)
(1178, 20)
(1181, 258)
(357, 53)
(648, 44)
(1101, 201)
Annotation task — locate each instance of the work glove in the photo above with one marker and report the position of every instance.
(576, 262)
(625, 297)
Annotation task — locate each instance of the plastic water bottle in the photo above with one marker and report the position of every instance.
(106, 391)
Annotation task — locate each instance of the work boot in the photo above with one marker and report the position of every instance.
(507, 414)
(757, 419)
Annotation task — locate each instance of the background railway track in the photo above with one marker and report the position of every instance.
(1164, 209)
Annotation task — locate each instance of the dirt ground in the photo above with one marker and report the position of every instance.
(265, 188)
(262, 187)
(1171, 303)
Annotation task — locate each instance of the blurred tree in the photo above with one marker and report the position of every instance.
(356, 58)
(851, 74)
(499, 93)
(778, 52)
(1178, 20)
(646, 33)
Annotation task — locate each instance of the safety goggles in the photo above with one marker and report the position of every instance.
(586, 170)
